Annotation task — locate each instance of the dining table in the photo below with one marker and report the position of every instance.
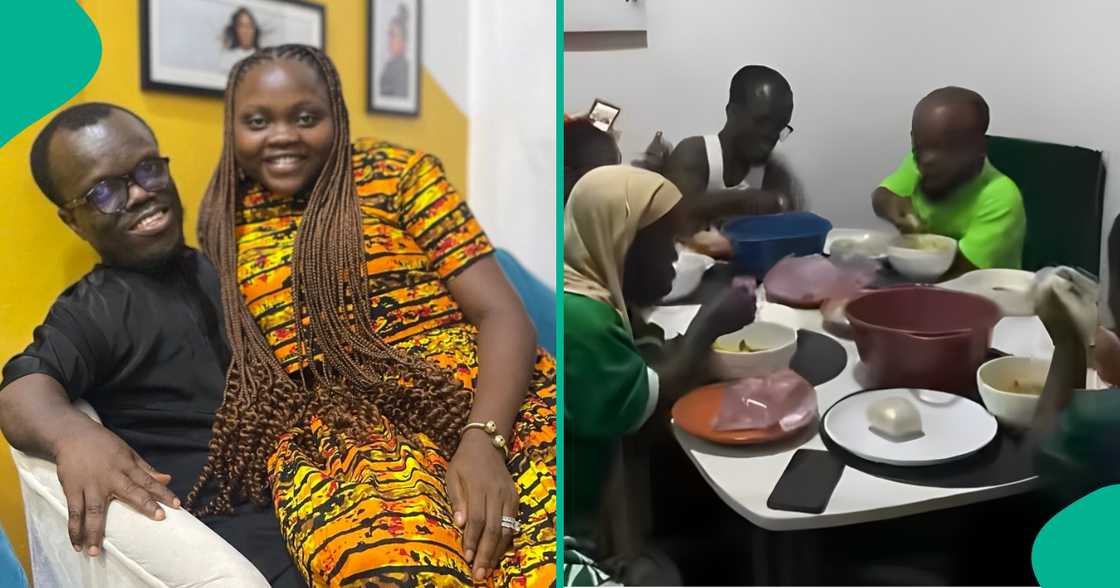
(744, 476)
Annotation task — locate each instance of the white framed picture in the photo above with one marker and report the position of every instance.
(191, 45)
(393, 49)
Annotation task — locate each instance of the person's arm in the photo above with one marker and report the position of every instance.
(94, 465)
(890, 200)
(895, 209)
(479, 484)
(1066, 307)
(680, 368)
(687, 169)
(506, 344)
(1066, 375)
(479, 481)
(779, 180)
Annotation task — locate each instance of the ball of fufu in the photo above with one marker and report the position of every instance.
(894, 417)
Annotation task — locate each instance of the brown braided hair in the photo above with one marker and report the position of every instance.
(356, 377)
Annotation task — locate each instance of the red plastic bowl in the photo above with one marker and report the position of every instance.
(922, 337)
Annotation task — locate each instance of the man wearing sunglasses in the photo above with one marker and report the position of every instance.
(946, 185)
(140, 337)
(731, 173)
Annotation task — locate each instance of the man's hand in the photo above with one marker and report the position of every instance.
(896, 210)
(94, 467)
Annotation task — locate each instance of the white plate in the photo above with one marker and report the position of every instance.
(1008, 288)
(879, 238)
(955, 427)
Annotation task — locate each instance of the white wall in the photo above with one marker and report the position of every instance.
(446, 47)
(1050, 70)
(497, 62)
(512, 105)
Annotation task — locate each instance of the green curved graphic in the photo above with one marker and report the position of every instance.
(51, 51)
(1078, 547)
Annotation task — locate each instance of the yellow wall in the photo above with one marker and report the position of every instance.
(41, 256)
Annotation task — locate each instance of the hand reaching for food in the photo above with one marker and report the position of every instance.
(731, 310)
(901, 214)
(1066, 302)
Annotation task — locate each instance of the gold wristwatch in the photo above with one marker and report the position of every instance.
(491, 429)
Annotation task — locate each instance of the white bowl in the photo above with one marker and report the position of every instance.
(922, 265)
(995, 380)
(857, 243)
(690, 268)
(1008, 288)
(778, 344)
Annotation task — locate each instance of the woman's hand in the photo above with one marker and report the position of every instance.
(731, 310)
(482, 491)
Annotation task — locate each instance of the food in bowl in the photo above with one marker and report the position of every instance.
(1011, 386)
(895, 418)
(743, 347)
(924, 243)
(1025, 387)
(922, 258)
(756, 350)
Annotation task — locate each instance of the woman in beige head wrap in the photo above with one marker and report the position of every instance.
(620, 226)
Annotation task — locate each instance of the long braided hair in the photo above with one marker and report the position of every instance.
(356, 377)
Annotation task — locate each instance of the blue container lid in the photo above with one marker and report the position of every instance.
(770, 227)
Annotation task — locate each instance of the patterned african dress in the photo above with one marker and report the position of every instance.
(378, 514)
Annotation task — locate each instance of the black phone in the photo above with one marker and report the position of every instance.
(807, 483)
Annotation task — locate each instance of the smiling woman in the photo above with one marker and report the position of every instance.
(376, 327)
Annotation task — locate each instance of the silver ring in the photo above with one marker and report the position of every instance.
(511, 524)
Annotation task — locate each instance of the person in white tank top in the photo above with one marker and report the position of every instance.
(726, 174)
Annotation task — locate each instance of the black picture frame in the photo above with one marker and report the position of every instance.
(148, 81)
(377, 103)
(605, 127)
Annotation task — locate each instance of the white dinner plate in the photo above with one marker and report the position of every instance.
(1008, 288)
(954, 427)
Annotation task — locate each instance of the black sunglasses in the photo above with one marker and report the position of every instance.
(110, 196)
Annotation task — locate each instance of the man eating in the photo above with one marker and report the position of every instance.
(140, 337)
(731, 173)
(947, 186)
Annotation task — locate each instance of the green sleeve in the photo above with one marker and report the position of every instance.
(994, 238)
(1083, 452)
(903, 181)
(608, 389)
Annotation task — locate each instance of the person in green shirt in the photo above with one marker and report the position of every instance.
(947, 186)
(620, 225)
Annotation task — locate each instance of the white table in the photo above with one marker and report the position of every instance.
(744, 477)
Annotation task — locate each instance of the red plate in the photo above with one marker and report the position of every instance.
(696, 410)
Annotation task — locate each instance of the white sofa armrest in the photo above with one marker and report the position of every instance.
(178, 551)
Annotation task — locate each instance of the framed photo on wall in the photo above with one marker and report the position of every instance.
(190, 45)
(602, 114)
(393, 50)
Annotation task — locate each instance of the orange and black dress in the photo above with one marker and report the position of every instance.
(378, 514)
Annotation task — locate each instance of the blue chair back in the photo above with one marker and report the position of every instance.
(539, 299)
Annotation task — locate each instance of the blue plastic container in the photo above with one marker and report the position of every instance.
(759, 242)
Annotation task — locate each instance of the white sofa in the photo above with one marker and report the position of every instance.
(178, 551)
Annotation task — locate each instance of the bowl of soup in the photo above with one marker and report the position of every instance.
(1010, 388)
(922, 257)
(757, 349)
